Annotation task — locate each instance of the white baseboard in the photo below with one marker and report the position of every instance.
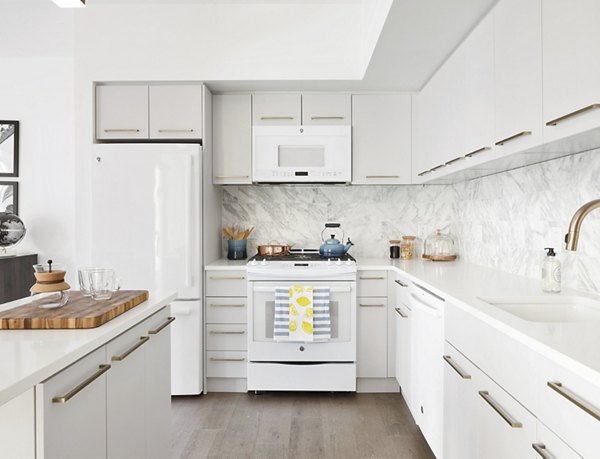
(375, 385)
(226, 385)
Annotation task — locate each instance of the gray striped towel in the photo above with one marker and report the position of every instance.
(321, 314)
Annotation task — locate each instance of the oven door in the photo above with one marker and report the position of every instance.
(340, 348)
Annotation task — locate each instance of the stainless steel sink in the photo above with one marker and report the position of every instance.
(548, 308)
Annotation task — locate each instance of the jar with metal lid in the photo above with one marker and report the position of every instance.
(407, 247)
(394, 248)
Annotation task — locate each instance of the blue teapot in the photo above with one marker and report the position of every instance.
(332, 247)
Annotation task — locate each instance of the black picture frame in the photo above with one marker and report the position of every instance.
(9, 192)
(9, 148)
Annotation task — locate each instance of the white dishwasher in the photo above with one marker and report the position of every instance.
(427, 345)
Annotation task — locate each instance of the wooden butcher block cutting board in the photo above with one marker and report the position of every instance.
(80, 312)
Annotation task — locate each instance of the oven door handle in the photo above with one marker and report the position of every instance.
(331, 289)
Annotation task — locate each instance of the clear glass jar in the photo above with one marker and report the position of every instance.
(439, 247)
(407, 247)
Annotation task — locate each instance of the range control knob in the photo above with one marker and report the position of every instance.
(264, 262)
(328, 262)
(349, 262)
(253, 263)
(301, 348)
(338, 262)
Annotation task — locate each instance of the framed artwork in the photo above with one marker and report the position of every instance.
(9, 148)
(9, 197)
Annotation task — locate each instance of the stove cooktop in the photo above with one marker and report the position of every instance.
(311, 255)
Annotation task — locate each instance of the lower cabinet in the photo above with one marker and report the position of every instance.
(403, 322)
(17, 426)
(371, 358)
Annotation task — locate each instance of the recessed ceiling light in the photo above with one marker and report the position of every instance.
(70, 3)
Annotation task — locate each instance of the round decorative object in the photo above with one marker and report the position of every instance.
(12, 231)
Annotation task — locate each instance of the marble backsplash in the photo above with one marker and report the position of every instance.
(502, 221)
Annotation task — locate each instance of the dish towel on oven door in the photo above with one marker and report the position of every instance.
(302, 314)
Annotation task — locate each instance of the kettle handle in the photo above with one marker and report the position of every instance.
(331, 225)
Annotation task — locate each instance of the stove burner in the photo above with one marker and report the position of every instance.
(300, 255)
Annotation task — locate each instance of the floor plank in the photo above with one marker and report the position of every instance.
(294, 425)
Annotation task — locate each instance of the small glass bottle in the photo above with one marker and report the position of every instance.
(551, 277)
(407, 248)
(395, 248)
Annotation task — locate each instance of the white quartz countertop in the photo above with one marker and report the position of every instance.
(224, 264)
(29, 357)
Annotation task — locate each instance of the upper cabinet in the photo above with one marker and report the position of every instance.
(138, 111)
(381, 139)
(276, 109)
(571, 67)
(232, 138)
(326, 109)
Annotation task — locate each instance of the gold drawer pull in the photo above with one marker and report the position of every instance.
(176, 130)
(73, 392)
(400, 283)
(555, 121)
(456, 368)
(433, 169)
(512, 137)
(214, 359)
(452, 161)
(264, 118)
(372, 278)
(399, 311)
(121, 130)
(213, 332)
(476, 152)
(372, 305)
(381, 176)
(574, 399)
(166, 322)
(498, 409)
(326, 117)
(222, 177)
(226, 278)
(540, 448)
(421, 174)
(227, 305)
(123, 356)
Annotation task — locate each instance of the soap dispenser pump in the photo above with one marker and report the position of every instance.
(551, 275)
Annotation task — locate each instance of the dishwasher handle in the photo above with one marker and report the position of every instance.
(422, 305)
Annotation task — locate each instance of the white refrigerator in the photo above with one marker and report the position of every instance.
(146, 224)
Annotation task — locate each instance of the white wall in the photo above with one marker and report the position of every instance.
(36, 88)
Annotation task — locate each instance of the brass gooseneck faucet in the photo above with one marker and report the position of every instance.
(572, 237)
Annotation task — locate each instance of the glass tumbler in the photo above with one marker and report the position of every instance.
(103, 283)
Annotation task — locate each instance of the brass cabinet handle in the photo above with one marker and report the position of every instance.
(540, 448)
(123, 356)
(232, 176)
(498, 409)
(326, 117)
(121, 130)
(176, 130)
(214, 359)
(421, 174)
(433, 169)
(226, 278)
(227, 305)
(399, 311)
(276, 117)
(455, 367)
(73, 392)
(371, 278)
(512, 137)
(575, 399)
(452, 161)
(213, 332)
(372, 305)
(400, 283)
(555, 121)
(166, 322)
(476, 152)
(381, 176)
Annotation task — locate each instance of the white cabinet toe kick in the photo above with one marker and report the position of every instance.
(336, 377)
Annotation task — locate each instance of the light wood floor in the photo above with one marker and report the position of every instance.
(295, 425)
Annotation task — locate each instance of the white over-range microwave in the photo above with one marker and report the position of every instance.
(302, 154)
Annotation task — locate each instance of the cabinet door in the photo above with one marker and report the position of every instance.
(381, 139)
(158, 385)
(403, 336)
(326, 109)
(121, 112)
(125, 399)
(71, 411)
(371, 359)
(276, 109)
(459, 396)
(232, 138)
(571, 67)
(549, 445)
(518, 74)
(17, 426)
(175, 111)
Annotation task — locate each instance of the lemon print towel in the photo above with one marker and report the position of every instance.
(302, 314)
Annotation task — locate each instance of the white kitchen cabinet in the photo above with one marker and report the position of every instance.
(71, 411)
(518, 75)
(232, 139)
(326, 109)
(372, 283)
(403, 350)
(371, 358)
(122, 112)
(549, 444)
(17, 426)
(175, 111)
(571, 67)
(276, 109)
(381, 139)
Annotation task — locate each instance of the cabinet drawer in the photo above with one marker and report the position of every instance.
(326, 109)
(372, 283)
(226, 283)
(226, 364)
(224, 310)
(549, 443)
(563, 400)
(276, 109)
(226, 337)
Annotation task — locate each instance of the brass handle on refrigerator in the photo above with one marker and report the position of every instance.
(73, 392)
(540, 448)
(156, 330)
(498, 409)
(399, 311)
(123, 356)
(476, 152)
(455, 367)
(574, 399)
(512, 137)
(555, 121)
